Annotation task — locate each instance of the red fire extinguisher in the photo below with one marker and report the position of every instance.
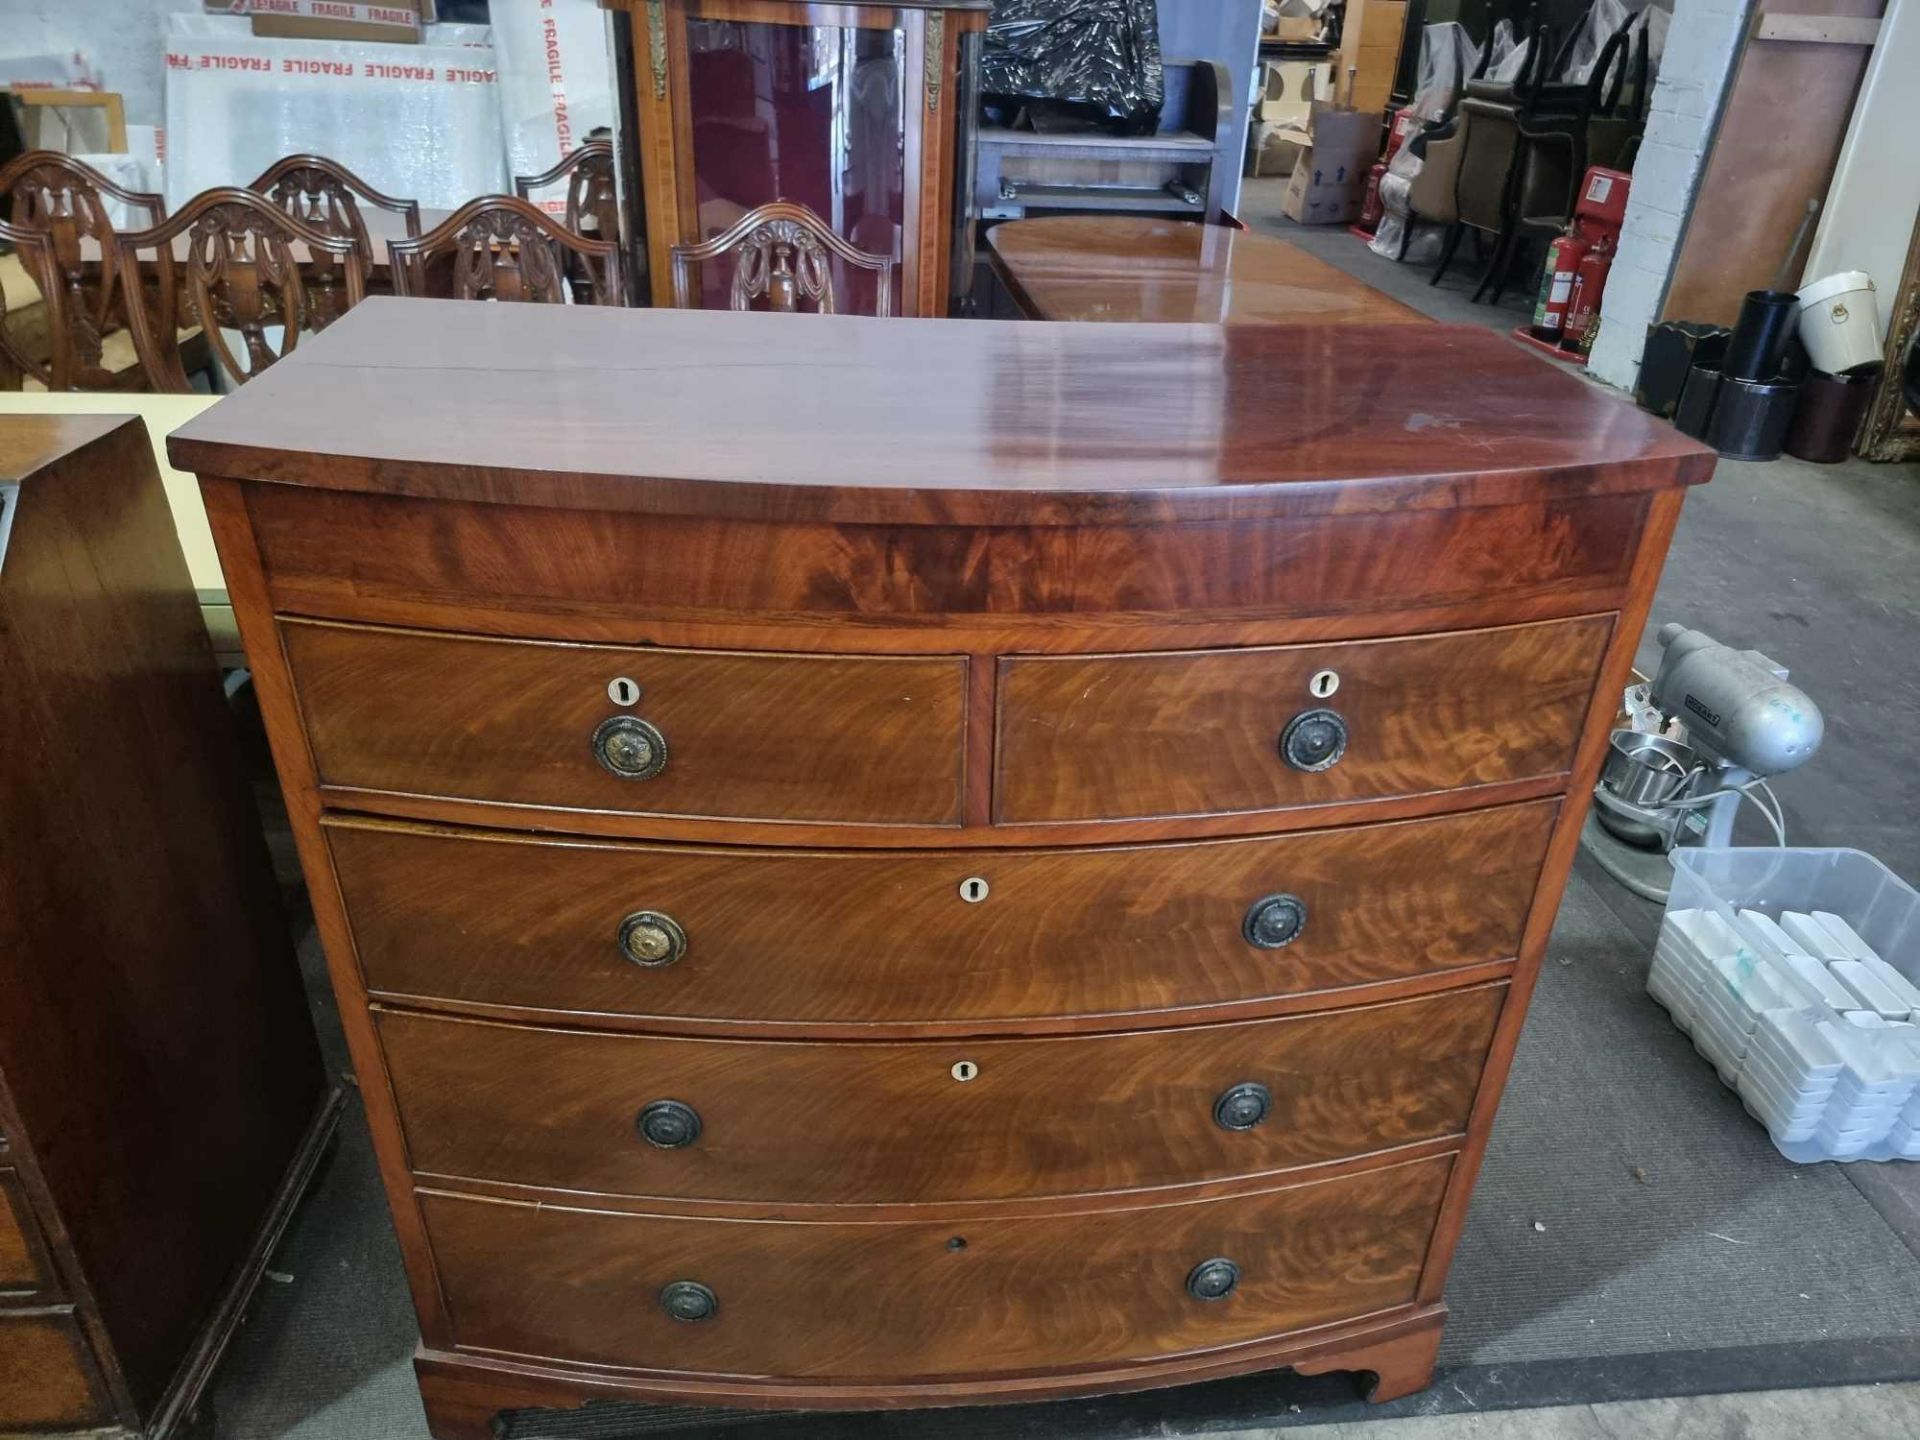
(1583, 308)
(1372, 209)
(1556, 285)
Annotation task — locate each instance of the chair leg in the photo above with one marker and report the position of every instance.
(1455, 232)
(1514, 252)
(1502, 245)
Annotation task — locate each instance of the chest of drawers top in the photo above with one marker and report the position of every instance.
(851, 420)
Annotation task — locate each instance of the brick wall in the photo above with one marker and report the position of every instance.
(1701, 49)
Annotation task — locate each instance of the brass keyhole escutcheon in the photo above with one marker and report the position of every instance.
(623, 691)
(973, 889)
(964, 1070)
(1323, 684)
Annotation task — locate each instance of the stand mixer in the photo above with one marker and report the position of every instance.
(1703, 735)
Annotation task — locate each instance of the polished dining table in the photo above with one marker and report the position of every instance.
(1139, 268)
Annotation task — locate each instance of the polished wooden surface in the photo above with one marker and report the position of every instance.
(1410, 508)
(868, 421)
(1122, 736)
(854, 941)
(158, 1066)
(1058, 1117)
(850, 739)
(902, 1302)
(1139, 268)
(545, 573)
(25, 1273)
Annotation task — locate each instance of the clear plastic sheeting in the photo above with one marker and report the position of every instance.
(556, 83)
(419, 121)
(1094, 61)
(1448, 55)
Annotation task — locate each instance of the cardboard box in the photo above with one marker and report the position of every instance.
(1274, 148)
(1296, 28)
(1329, 182)
(393, 20)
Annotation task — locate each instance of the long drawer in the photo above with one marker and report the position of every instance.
(857, 1122)
(1110, 737)
(858, 739)
(861, 937)
(929, 1299)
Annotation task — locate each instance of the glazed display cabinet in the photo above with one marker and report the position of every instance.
(861, 113)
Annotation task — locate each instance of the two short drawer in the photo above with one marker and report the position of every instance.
(881, 740)
(927, 1299)
(927, 1122)
(557, 929)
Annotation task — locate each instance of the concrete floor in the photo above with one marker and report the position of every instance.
(1816, 565)
(1868, 1412)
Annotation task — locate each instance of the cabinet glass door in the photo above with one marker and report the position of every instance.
(814, 114)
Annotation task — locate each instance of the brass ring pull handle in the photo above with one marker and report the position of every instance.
(668, 1124)
(627, 746)
(690, 1301)
(651, 939)
(1274, 921)
(1243, 1106)
(1213, 1279)
(1314, 740)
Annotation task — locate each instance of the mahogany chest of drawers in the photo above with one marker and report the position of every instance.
(162, 1097)
(912, 862)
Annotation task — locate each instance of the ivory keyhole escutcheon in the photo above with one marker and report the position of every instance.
(623, 691)
(1323, 684)
(973, 889)
(964, 1070)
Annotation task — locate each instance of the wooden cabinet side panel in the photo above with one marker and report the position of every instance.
(154, 1033)
(1650, 552)
(246, 584)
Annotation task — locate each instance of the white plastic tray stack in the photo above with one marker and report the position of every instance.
(1815, 1028)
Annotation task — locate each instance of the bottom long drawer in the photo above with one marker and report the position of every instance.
(848, 1300)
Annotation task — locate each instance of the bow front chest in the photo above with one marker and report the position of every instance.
(879, 863)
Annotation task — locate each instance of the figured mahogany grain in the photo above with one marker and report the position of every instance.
(902, 1302)
(1107, 737)
(855, 419)
(843, 938)
(47, 1376)
(839, 738)
(516, 569)
(1115, 268)
(847, 1122)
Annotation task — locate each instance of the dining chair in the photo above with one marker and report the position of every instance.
(231, 262)
(500, 247)
(67, 201)
(785, 253)
(593, 204)
(37, 348)
(325, 195)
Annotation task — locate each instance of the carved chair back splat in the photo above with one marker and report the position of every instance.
(786, 252)
(67, 201)
(17, 361)
(242, 271)
(593, 204)
(500, 247)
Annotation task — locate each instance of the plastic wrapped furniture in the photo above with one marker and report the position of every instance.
(1087, 60)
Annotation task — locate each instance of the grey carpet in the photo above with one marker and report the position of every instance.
(1567, 1254)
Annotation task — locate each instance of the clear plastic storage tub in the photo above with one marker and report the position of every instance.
(1797, 974)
